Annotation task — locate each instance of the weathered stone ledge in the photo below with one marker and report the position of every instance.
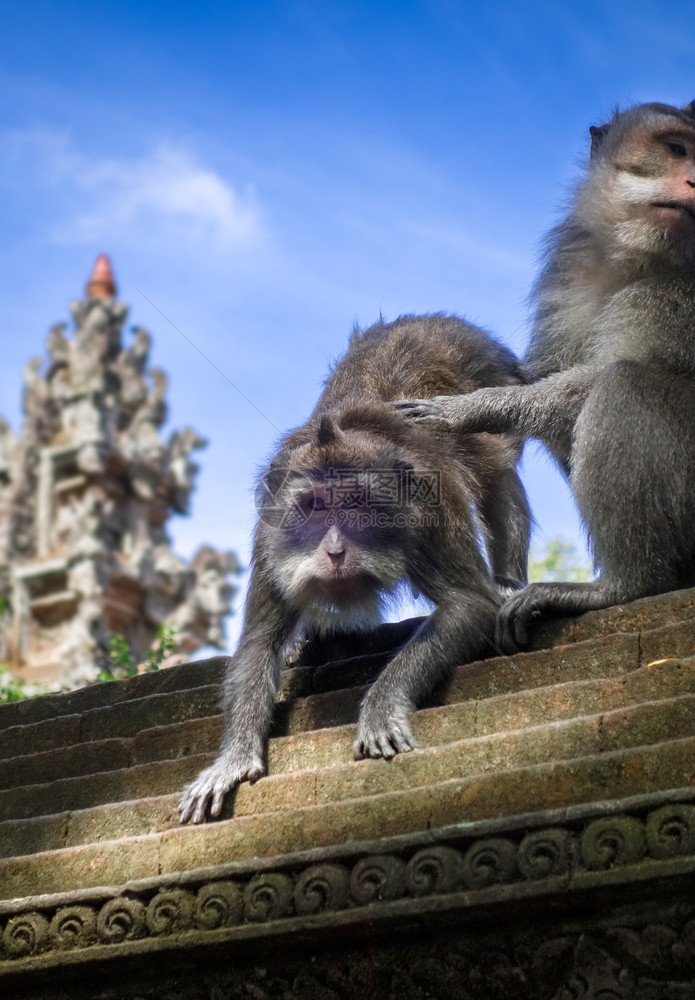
(540, 789)
(333, 819)
(202, 734)
(647, 614)
(464, 867)
(635, 725)
(514, 722)
(320, 694)
(49, 706)
(315, 696)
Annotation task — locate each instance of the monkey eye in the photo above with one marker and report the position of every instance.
(310, 502)
(677, 148)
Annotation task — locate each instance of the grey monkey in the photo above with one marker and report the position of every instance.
(611, 363)
(359, 501)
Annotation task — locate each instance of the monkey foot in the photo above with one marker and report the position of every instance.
(513, 619)
(385, 741)
(550, 600)
(212, 784)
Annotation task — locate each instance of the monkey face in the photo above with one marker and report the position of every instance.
(354, 513)
(673, 208)
(339, 551)
(641, 191)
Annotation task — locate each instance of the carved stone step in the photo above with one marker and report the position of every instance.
(320, 702)
(545, 786)
(367, 656)
(649, 613)
(124, 719)
(654, 722)
(52, 706)
(310, 746)
(173, 699)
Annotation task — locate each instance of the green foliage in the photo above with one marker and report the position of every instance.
(12, 689)
(120, 662)
(557, 560)
(163, 646)
(120, 659)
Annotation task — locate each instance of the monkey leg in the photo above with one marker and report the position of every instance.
(458, 631)
(505, 512)
(633, 472)
(634, 478)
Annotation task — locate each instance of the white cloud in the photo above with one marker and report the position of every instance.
(163, 195)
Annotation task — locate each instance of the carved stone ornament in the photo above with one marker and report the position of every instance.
(628, 949)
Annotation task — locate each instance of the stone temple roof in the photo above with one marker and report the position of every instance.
(540, 843)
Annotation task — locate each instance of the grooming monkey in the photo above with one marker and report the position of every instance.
(612, 366)
(359, 501)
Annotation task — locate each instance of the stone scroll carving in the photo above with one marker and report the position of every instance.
(461, 867)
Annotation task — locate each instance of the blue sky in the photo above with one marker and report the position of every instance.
(266, 174)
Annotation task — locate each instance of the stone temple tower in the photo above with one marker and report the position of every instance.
(85, 493)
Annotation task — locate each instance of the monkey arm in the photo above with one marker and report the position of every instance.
(250, 686)
(458, 631)
(546, 409)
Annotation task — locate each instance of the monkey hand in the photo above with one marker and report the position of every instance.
(438, 409)
(383, 729)
(483, 410)
(231, 767)
(514, 617)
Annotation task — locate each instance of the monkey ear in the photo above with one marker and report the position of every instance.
(328, 431)
(598, 134)
(689, 109)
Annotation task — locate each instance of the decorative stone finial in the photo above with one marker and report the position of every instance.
(101, 284)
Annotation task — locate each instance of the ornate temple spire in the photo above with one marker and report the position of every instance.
(101, 284)
(85, 494)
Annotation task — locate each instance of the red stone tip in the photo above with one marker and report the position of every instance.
(101, 284)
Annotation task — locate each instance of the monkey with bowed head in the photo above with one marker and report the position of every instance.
(358, 502)
(611, 364)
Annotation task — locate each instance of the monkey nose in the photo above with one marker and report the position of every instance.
(334, 541)
(334, 544)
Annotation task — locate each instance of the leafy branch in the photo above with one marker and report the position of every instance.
(120, 662)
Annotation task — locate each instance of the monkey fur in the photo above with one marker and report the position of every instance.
(611, 367)
(359, 501)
